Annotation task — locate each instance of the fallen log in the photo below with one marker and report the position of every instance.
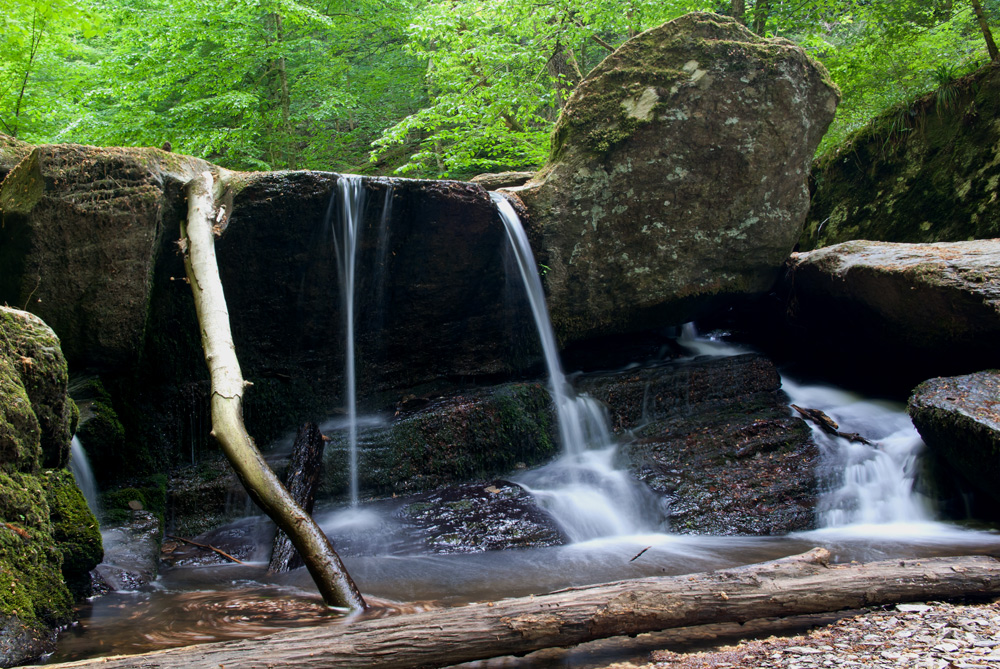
(829, 425)
(797, 585)
(304, 471)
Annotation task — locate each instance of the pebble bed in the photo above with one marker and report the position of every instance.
(934, 635)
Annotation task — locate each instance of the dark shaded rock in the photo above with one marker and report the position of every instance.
(717, 438)
(205, 496)
(959, 420)
(478, 517)
(502, 179)
(677, 177)
(905, 312)
(923, 171)
(474, 435)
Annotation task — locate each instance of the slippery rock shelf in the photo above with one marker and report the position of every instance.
(796, 585)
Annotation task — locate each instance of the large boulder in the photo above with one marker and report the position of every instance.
(677, 176)
(716, 437)
(906, 311)
(48, 536)
(959, 419)
(924, 171)
(82, 229)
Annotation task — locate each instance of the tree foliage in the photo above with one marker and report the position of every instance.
(429, 87)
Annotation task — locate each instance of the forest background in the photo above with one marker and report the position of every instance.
(420, 88)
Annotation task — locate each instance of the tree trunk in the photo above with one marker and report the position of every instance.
(761, 12)
(228, 385)
(304, 471)
(991, 46)
(792, 586)
(738, 11)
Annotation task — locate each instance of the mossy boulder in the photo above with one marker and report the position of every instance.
(907, 311)
(923, 171)
(959, 419)
(677, 176)
(48, 536)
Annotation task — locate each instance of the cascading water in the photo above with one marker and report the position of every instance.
(862, 484)
(347, 239)
(84, 475)
(582, 490)
(865, 484)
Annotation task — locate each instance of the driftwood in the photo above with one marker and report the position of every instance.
(206, 546)
(829, 425)
(264, 488)
(304, 471)
(791, 586)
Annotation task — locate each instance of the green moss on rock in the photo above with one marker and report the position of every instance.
(74, 529)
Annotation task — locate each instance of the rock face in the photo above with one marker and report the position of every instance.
(959, 419)
(677, 176)
(923, 172)
(48, 536)
(82, 229)
(909, 310)
(717, 438)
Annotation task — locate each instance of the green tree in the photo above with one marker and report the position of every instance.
(37, 36)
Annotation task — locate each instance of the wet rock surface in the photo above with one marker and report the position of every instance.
(959, 420)
(437, 441)
(715, 435)
(480, 517)
(630, 215)
(903, 311)
(131, 554)
(923, 172)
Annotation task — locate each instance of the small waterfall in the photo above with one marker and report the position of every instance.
(864, 485)
(84, 475)
(582, 490)
(347, 240)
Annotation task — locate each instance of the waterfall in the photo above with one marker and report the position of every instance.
(347, 240)
(582, 490)
(84, 475)
(864, 484)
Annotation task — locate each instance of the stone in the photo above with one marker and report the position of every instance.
(904, 311)
(677, 176)
(923, 171)
(495, 181)
(48, 536)
(716, 437)
(959, 420)
(82, 229)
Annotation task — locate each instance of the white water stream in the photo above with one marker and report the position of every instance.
(583, 490)
(79, 464)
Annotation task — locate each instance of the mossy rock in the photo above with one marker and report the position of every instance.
(32, 367)
(74, 529)
(465, 437)
(923, 171)
(676, 181)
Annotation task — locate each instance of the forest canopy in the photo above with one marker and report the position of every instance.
(424, 88)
